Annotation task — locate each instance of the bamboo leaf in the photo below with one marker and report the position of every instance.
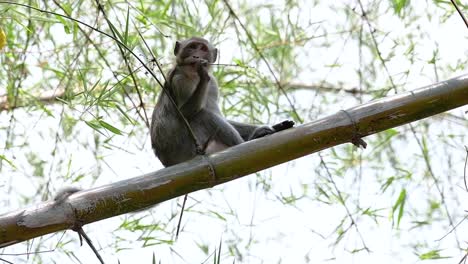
(398, 5)
(400, 205)
(3, 39)
(110, 127)
(433, 254)
(2, 157)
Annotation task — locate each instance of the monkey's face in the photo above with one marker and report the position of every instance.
(194, 50)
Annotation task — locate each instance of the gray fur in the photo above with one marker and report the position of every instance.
(195, 91)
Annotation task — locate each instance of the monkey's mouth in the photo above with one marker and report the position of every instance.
(193, 62)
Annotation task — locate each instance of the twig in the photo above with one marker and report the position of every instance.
(153, 57)
(32, 252)
(374, 40)
(232, 65)
(6, 261)
(459, 12)
(463, 260)
(453, 228)
(338, 193)
(180, 217)
(82, 234)
(464, 168)
(324, 88)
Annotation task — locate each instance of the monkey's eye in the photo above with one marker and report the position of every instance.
(192, 46)
(204, 48)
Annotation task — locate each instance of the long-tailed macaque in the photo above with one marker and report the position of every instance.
(194, 90)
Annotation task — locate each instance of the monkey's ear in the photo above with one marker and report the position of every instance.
(176, 48)
(214, 55)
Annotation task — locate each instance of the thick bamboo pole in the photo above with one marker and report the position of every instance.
(203, 172)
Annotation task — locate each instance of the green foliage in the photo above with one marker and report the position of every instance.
(77, 87)
(400, 206)
(3, 158)
(398, 5)
(433, 254)
(98, 124)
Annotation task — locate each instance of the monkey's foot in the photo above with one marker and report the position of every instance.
(283, 125)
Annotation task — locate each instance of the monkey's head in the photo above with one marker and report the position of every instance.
(193, 50)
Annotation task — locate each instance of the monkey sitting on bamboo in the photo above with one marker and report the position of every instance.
(194, 92)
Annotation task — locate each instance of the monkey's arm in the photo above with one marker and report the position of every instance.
(197, 101)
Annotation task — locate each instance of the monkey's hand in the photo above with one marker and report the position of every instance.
(201, 70)
(283, 125)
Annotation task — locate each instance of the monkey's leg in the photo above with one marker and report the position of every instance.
(216, 128)
(245, 130)
(249, 132)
